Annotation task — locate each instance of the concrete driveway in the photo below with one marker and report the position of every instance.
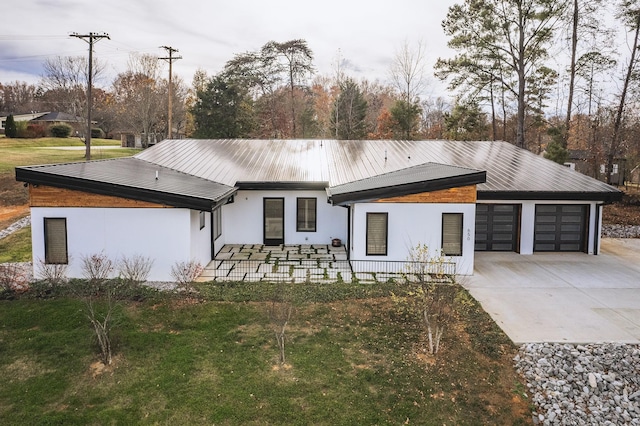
(562, 297)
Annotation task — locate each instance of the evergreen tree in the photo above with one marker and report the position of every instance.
(223, 110)
(10, 129)
(406, 118)
(466, 122)
(349, 112)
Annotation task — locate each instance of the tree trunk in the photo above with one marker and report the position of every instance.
(494, 128)
(615, 139)
(572, 74)
(520, 139)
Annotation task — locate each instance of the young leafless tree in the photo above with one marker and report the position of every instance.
(280, 314)
(102, 323)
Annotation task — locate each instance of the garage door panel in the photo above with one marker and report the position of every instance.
(496, 227)
(560, 227)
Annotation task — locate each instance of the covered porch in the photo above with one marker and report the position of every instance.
(305, 263)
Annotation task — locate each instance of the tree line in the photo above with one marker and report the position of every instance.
(505, 79)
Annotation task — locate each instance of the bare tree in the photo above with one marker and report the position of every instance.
(408, 71)
(19, 97)
(138, 96)
(629, 14)
(584, 24)
(280, 313)
(64, 81)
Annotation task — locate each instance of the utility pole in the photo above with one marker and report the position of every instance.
(338, 77)
(89, 38)
(170, 59)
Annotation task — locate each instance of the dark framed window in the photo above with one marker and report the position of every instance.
(217, 222)
(55, 241)
(452, 234)
(377, 229)
(202, 219)
(306, 216)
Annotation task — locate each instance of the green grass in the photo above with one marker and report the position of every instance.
(23, 152)
(194, 361)
(16, 247)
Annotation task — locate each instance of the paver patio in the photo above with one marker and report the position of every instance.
(297, 264)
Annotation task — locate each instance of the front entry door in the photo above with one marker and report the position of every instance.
(273, 221)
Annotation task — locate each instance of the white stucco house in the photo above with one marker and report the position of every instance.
(185, 199)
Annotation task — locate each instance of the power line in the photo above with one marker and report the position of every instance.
(170, 59)
(90, 38)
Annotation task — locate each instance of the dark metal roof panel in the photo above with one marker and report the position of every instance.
(131, 176)
(416, 174)
(509, 169)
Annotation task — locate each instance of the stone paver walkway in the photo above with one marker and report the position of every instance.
(305, 263)
(291, 263)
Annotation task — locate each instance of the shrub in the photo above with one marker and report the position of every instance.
(97, 268)
(60, 130)
(97, 133)
(21, 129)
(13, 278)
(53, 274)
(10, 129)
(184, 273)
(134, 269)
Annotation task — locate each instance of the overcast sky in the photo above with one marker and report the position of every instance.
(208, 33)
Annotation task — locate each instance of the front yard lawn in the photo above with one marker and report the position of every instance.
(193, 361)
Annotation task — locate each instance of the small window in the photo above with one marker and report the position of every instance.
(615, 169)
(202, 220)
(55, 241)
(217, 223)
(377, 234)
(452, 234)
(306, 221)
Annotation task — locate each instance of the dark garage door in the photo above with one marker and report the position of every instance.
(497, 227)
(560, 227)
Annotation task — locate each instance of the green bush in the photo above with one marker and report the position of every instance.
(10, 129)
(25, 130)
(97, 133)
(21, 129)
(60, 130)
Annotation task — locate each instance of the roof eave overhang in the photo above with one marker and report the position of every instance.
(406, 189)
(133, 193)
(297, 185)
(607, 197)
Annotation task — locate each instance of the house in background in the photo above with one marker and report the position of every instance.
(52, 118)
(19, 117)
(47, 119)
(585, 162)
(185, 199)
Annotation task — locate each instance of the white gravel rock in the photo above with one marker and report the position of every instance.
(596, 384)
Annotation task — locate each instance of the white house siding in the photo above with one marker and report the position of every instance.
(242, 221)
(164, 235)
(527, 221)
(410, 224)
(200, 239)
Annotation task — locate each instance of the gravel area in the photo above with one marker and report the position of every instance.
(595, 384)
(15, 226)
(621, 231)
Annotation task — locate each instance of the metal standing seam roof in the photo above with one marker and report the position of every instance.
(511, 172)
(131, 178)
(202, 173)
(421, 178)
